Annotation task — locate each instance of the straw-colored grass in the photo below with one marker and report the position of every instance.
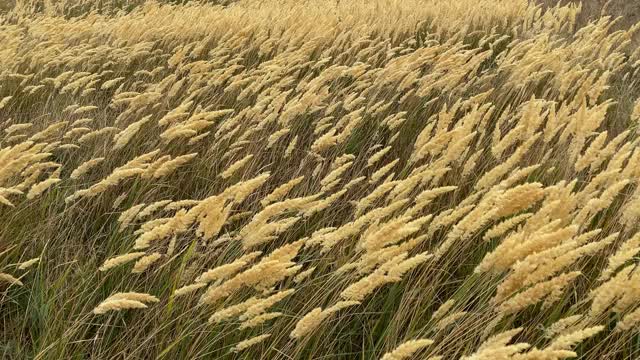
(418, 179)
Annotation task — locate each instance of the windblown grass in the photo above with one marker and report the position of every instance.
(318, 180)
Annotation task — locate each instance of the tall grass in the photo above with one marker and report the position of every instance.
(318, 180)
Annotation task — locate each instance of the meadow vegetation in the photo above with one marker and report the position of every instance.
(317, 179)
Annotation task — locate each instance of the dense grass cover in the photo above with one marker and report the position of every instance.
(417, 179)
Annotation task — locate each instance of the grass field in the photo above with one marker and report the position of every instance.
(319, 179)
